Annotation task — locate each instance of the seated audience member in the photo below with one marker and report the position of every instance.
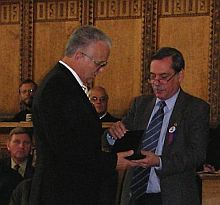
(18, 166)
(27, 90)
(19, 146)
(99, 98)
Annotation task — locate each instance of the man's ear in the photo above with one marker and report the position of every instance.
(8, 147)
(77, 55)
(181, 75)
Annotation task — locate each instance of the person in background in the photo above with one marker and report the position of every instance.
(174, 143)
(99, 98)
(27, 90)
(70, 163)
(18, 165)
(19, 146)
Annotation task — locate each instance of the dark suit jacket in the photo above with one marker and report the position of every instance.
(70, 162)
(29, 171)
(183, 150)
(9, 179)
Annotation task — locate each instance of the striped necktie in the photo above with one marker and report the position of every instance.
(149, 142)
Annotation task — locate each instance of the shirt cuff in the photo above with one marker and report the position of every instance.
(110, 139)
(160, 165)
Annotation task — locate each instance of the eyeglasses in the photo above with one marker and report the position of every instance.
(97, 63)
(30, 91)
(164, 78)
(101, 99)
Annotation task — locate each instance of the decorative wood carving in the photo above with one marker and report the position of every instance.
(149, 40)
(214, 65)
(87, 13)
(118, 9)
(56, 10)
(184, 7)
(9, 12)
(26, 39)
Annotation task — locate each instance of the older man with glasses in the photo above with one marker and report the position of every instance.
(173, 145)
(70, 163)
(99, 98)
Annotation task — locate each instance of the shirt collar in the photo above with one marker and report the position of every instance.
(74, 74)
(171, 101)
(103, 116)
(22, 166)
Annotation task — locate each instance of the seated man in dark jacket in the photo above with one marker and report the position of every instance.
(27, 90)
(99, 98)
(19, 165)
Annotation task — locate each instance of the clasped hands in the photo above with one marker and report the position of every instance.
(117, 131)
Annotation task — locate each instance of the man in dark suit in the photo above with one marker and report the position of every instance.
(18, 165)
(19, 146)
(70, 163)
(99, 98)
(181, 146)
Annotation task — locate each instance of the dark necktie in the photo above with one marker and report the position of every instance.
(149, 142)
(16, 167)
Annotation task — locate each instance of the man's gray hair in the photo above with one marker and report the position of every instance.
(83, 36)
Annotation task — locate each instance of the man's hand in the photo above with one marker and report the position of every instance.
(122, 162)
(117, 130)
(150, 160)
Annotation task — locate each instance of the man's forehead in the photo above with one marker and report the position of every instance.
(20, 136)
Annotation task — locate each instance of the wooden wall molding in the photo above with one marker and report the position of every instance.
(87, 17)
(214, 65)
(46, 11)
(149, 40)
(118, 9)
(184, 8)
(9, 12)
(26, 39)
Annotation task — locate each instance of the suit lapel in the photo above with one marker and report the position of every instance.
(147, 112)
(176, 116)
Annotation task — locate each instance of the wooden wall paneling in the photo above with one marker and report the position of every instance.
(188, 26)
(87, 17)
(123, 22)
(149, 40)
(9, 56)
(54, 21)
(214, 65)
(26, 38)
